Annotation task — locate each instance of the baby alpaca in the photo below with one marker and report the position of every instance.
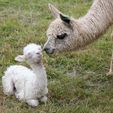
(28, 85)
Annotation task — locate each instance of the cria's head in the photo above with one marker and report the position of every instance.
(60, 32)
(32, 53)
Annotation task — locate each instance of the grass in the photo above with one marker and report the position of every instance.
(90, 91)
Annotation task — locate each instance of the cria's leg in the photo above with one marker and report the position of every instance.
(111, 65)
(20, 96)
(7, 85)
(44, 99)
(32, 102)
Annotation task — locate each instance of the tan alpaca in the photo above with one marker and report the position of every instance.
(67, 34)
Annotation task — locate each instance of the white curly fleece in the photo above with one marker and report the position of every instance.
(29, 85)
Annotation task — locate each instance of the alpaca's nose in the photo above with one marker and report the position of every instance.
(49, 51)
(46, 49)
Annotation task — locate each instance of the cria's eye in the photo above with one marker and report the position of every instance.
(62, 36)
(37, 53)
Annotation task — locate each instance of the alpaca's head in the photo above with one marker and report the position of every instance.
(32, 54)
(60, 33)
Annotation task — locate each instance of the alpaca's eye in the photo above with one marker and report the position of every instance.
(62, 36)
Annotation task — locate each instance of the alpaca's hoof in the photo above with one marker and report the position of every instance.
(32, 103)
(110, 73)
(44, 99)
(20, 96)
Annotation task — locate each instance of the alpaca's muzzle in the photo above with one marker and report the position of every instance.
(48, 50)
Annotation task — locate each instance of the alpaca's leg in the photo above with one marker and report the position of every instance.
(32, 102)
(111, 65)
(44, 99)
(20, 96)
(45, 91)
(8, 87)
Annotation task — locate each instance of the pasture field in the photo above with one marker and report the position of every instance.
(77, 81)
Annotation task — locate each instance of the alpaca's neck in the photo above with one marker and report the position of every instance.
(96, 21)
(39, 70)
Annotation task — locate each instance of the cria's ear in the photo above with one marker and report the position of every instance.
(55, 12)
(65, 19)
(20, 58)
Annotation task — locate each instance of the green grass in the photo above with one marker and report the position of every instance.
(90, 91)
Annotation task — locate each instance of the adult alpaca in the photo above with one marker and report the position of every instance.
(67, 34)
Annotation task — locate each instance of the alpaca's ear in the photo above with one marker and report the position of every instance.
(55, 12)
(65, 19)
(20, 58)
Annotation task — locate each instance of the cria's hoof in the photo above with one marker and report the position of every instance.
(44, 99)
(32, 103)
(109, 74)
